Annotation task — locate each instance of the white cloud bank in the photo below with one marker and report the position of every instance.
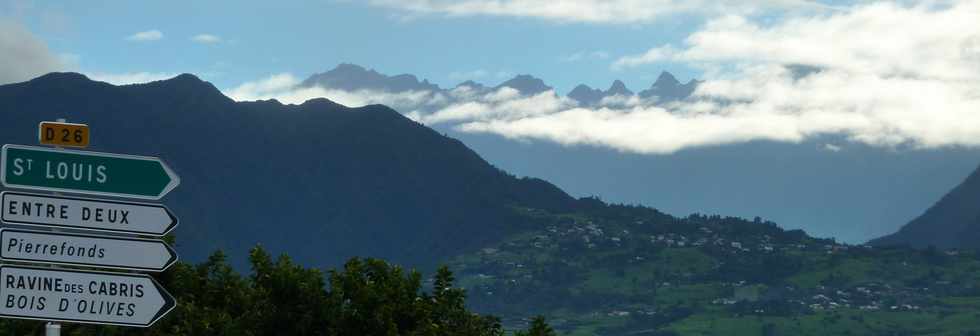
(146, 36)
(588, 11)
(23, 55)
(284, 88)
(883, 74)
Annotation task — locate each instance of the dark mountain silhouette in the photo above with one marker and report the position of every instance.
(351, 77)
(319, 181)
(953, 222)
(588, 96)
(525, 84)
(668, 88)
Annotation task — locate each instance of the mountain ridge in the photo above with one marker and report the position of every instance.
(318, 180)
(352, 77)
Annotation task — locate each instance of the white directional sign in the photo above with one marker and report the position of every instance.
(88, 214)
(134, 300)
(84, 250)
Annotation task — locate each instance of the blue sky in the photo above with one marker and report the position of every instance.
(303, 37)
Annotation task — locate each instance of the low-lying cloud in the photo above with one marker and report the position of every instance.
(285, 88)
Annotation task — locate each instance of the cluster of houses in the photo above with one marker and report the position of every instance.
(594, 236)
(867, 297)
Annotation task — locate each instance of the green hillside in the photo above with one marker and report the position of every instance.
(620, 270)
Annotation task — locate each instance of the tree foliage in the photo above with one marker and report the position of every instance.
(539, 327)
(365, 297)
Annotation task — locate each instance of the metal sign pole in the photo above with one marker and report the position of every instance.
(54, 328)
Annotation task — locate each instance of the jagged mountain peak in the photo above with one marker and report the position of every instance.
(618, 88)
(668, 88)
(666, 79)
(526, 84)
(585, 95)
(581, 88)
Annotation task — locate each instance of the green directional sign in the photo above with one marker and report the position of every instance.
(83, 172)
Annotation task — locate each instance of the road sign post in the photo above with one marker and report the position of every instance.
(66, 295)
(134, 300)
(84, 172)
(71, 249)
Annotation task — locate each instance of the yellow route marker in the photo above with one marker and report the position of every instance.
(63, 134)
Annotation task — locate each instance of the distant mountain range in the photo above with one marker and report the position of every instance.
(953, 222)
(352, 77)
(871, 190)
